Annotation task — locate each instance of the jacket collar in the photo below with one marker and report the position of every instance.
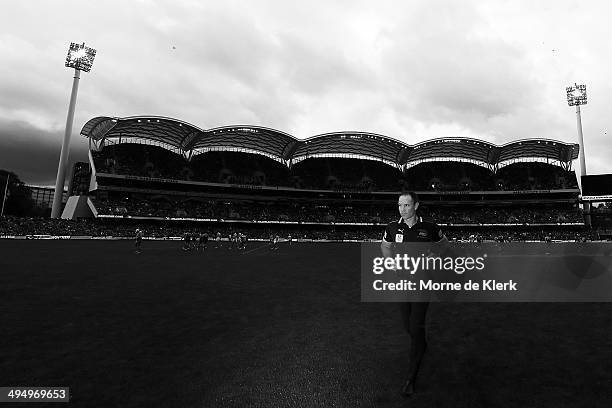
(401, 220)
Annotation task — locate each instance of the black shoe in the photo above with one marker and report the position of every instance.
(408, 388)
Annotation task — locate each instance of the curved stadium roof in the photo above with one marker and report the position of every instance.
(284, 147)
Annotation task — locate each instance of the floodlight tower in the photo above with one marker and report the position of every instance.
(576, 96)
(80, 58)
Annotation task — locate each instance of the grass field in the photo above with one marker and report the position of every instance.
(168, 328)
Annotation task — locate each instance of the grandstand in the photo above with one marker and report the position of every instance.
(162, 169)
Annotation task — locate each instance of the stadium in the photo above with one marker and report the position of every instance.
(341, 185)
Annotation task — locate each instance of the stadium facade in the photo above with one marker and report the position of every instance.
(158, 168)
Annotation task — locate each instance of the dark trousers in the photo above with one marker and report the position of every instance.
(414, 315)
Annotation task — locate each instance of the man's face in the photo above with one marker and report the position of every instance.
(407, 207)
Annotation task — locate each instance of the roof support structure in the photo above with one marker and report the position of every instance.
(190, 140)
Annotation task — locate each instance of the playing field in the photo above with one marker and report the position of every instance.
(169, 328)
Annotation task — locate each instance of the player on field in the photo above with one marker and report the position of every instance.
(138, 240)
(203, 241)
(187, 243)
(218, 240)
(240, 239)
(271, 242)
(411, 228)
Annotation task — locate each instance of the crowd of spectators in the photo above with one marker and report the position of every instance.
(20, 226)
(23, 226)
(456, 176)
(534, 176)
(345, 175)
(506, 215)
(340, 174)
(328, 212)
(509, 235)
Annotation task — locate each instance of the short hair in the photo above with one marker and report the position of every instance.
(411, 194)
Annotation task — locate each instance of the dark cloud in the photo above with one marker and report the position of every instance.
(22, 95)
(33, 154)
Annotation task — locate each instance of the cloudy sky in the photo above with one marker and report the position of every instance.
(412, 70)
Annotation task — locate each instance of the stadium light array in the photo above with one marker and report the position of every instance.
(80, 58)
(576, 95)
